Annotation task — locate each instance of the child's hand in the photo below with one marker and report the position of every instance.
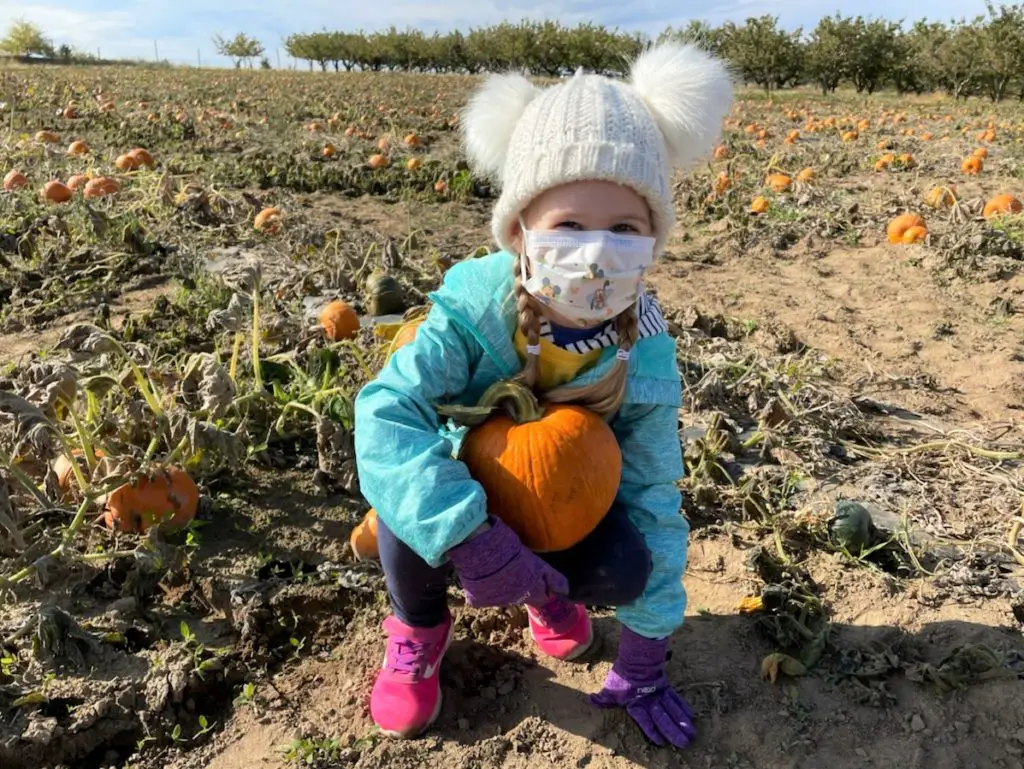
(496, 569)
(637, 681)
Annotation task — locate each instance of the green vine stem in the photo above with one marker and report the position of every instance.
(517, 400)
(256, 371)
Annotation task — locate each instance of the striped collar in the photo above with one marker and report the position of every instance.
(649, 323)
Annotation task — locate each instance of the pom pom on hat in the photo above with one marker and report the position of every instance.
(490, 117)
(689, 93)
(666, 115)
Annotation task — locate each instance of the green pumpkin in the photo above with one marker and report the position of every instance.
(384, 295)
(851, 526)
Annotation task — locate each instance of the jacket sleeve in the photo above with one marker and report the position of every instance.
(406, 469)
(652, 463)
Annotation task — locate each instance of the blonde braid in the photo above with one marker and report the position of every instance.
(529, 325)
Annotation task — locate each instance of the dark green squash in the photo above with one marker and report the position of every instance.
(851, 526)
(384, 295)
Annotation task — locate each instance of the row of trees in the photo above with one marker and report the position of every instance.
(981, 56)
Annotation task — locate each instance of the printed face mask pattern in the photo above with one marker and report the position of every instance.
(587, 276)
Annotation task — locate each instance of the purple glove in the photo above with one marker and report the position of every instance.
(497, 569)
(637, 681)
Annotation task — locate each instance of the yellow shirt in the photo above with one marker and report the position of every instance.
(557, 365)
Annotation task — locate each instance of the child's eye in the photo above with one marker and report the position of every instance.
(624, 228)
(568, 225)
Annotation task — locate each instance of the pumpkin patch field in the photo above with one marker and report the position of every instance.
(200, 269)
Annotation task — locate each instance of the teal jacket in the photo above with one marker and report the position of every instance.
(405, 454)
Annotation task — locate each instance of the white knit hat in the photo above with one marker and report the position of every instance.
(667, 115)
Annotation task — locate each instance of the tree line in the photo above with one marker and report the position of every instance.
(982, 56)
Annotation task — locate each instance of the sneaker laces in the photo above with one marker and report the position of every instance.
(406, 656)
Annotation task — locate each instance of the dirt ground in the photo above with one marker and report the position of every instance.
(830, 367)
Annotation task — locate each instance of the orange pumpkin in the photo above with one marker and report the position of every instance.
(413, 140)
(268, 220)
(363, 539)
(1002, 204)
(778, 182)
(379, 161)
(972, 165)
(550, 473)
(440, 186)
(721, 152)
(56, 192)
(15, 180)
(807, 175)
(76, 181)
(941, 197)
(70, 113)
(169, 499)
(47, 137)
(127, 162)
(142, 157)
(899, 226)
(759, 205)
(414, 164)
(78, 148)
(101, 187)
(981, 152)
(914, 234)
(339, 321)
(329, 150)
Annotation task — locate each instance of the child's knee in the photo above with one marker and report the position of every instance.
(634, 570)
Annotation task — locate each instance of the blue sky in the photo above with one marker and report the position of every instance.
(122, 28)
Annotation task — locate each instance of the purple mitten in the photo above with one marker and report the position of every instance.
(637, 681)
(497, 569)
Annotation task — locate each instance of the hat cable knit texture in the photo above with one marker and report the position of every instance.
(589, 127)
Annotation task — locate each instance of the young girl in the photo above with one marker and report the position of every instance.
(585, 208)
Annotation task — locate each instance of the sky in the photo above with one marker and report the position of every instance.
(182, 29)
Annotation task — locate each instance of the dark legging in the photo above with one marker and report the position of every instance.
(609, 567)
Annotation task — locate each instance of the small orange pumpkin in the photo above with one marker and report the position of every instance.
(339, 321)
(981, 152)
(363, 539)
(269, 220)
(142, 157)
(56, 192)
(127, 162)
(551, 510)
(759, 205)
(972, 165)
(414, 164)
(914, 234)
(378, 161)
(721, 152)
(169, 499)
(100, 187)
(1002, 204)
(413, 140)
(778, 182)
(78, 148)
(899, 226)
(76, 181)
(329, 150)
(15, 180)
(807, 175)
(47, 137)
(941, 197)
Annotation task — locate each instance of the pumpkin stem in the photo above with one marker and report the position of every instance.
(517, 400)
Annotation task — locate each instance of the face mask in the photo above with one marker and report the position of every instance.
(588, 277)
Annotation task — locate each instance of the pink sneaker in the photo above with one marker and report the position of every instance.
(406, 697)
(561, 629)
